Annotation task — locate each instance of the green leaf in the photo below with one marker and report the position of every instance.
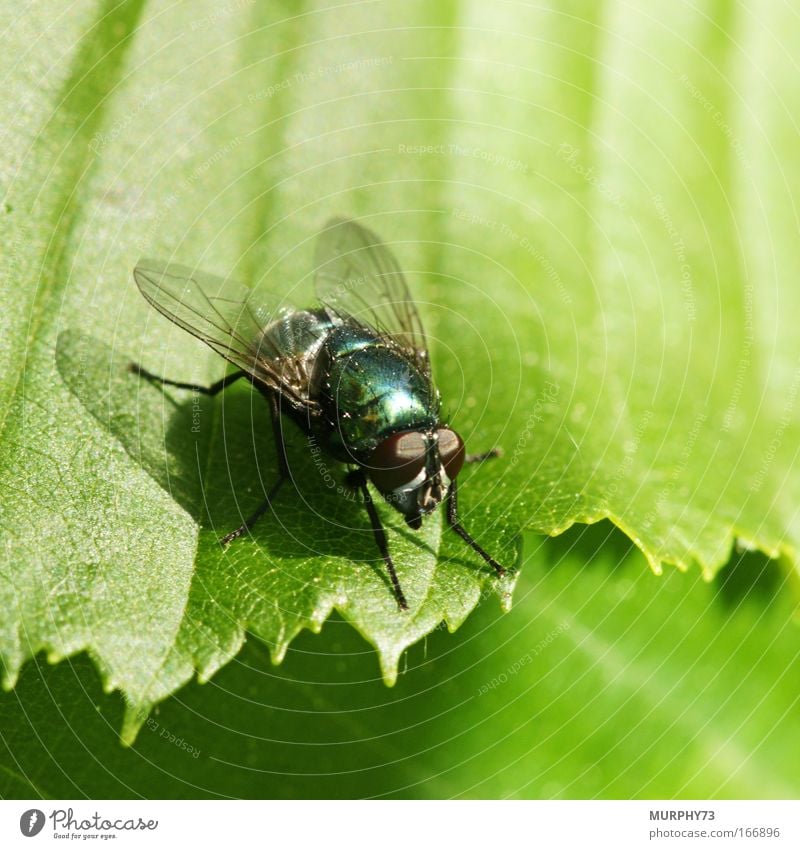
(594, 206)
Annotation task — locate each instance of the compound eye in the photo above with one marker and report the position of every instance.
(397, 460)
(451, 451)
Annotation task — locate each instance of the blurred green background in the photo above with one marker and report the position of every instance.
(603, 682)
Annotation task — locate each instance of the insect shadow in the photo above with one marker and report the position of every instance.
(215, 457)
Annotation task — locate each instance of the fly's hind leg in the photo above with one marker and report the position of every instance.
(283, 474)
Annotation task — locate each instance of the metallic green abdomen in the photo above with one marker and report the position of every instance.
(371, 390)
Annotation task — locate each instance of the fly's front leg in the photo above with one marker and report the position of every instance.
(452, 519)
(358, 479)
(283, 474)
(485, 455)
(203, 390)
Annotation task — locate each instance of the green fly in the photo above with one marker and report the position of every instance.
(353, 373)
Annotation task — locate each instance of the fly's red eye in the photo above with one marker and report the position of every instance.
(397, 460)
(451, 451)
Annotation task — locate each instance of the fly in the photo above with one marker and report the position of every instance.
(352, 373)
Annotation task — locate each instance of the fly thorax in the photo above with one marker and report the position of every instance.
(372, 389)
(298, 333)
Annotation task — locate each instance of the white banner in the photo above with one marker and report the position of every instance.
(402, 824)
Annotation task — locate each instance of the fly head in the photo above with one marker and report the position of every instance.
(413, 470)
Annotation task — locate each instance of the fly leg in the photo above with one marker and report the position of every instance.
(358, 479)
(485, 455)
(283, 465)
(452, 520)
(283, 473)
(203, 390)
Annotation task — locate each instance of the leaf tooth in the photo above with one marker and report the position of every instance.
(389, 655)
(132, 721)
(280, 645)
(9, 677)
(277, 650)
(324, 608)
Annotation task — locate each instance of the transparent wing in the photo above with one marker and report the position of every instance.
(358, 276)
(227, 317)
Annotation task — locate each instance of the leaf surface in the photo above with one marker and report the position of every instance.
(593, 205)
